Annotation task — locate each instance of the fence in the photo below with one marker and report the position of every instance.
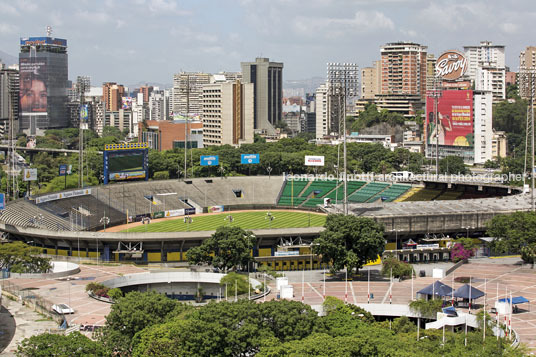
(32, 300)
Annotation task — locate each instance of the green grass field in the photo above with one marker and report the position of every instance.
(246, 220)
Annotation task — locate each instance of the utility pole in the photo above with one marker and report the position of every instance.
(81, 91)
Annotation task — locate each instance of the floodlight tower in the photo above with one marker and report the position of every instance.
(343, 79)
(528, 81)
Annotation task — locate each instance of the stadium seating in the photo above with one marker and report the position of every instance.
(367, 192)
(425, 194)
(293, 188)
(351, 187)
(449, 195)
(24, 213)
(323, 186)
(391, 193)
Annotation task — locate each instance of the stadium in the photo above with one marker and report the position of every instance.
(122, 221)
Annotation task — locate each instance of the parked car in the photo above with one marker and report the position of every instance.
(62, 309)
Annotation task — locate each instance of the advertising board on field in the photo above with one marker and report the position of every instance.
(215, 209)
(30, 175)
(175, 213)
(210, 160)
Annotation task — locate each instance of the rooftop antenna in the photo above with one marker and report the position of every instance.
(49, 30)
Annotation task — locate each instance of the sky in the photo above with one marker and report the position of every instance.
(140, 41)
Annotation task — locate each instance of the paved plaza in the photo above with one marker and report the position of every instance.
(486, 274)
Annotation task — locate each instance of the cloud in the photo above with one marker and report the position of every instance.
(509, 28)
(8, 9)
(363, 21)
(7, 29)
(166, 7)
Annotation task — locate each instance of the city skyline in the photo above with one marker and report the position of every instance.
(149, 41)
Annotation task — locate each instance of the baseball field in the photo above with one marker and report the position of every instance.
(244, 219)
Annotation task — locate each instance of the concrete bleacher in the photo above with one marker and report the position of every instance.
(87, 211)
(24, 213)
(368, 191)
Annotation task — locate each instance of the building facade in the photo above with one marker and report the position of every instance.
(228, 112)
(403, 69)
(112, 94)
(9, 99)
(43, 69)
(371, 81)
(487, 68)
(267, 80)
(169, 134)
(188, 92)
(527, 69)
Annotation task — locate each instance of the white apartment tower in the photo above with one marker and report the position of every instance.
(487, 68)
(371, 81)
(527, 68)
(322, 111)
(483, 130)
(227, 113)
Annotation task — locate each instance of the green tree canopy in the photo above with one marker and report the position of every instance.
(452, 165)
(19, 257)
(349, 241)
(49, 345)
(231, 248)
(512, 232)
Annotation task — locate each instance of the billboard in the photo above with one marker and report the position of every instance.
(314, 160)
(39, 41)
(63, 170)
(30, 175)
(125, 162)
(455, 114)
(84, 116)
(126, 103)
(33, 85)
(210, 160)
(2, 201)
(249, 159)
(451, 65)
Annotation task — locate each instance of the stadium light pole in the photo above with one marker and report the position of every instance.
(528, 89)
(343, 81)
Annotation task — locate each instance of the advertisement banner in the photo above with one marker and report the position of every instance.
(160, 214)
(36, 41)
(175, 212)
(249, 159)
(33, 85)
(2, 201)
(30, 175)
(314, 160)
(63, 170)
(126, 103)
(125, 175)
(66, 194)
(215, 209)
(84, 116)
(210, 160)
(455, 114)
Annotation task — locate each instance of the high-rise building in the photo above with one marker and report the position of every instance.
(403, 69)
(188, 92)
(487, 68)
(228, 113)
(9, 99)
(371, 81)
(527, 66)
(146, 90)
(430, 71)
(113, 94)
(483, 131)
(267, 79)
(43, 67)
(322, 111)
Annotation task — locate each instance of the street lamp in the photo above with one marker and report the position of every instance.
(270, 218)
(468, 228)
(104, 220)
(396, 239)
(188, 220)
(269, 169)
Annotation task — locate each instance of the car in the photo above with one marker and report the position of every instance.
(62, 309)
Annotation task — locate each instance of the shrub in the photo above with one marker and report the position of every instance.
(459, 252)
(235, 279)
(161, 175)
(102, 292)
(94, 287)
(115, 294)
(400, 269)
(426, 308)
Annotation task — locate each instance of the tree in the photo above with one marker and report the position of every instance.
(22, 258)
(512, 232)
(349, 241)
(452, 165)
(131, 314)
(112, 131)
(231, 248)
(398, 269)
(49, 344)
(234, 279)
(528, 254)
